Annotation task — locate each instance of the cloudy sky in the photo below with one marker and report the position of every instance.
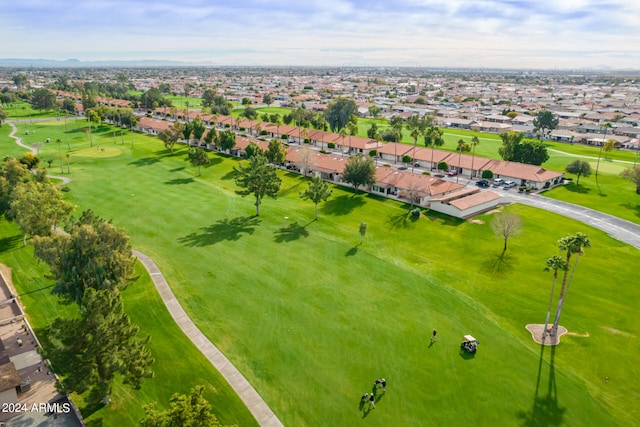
(549, 34)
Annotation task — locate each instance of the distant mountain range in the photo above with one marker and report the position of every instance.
(21, 62)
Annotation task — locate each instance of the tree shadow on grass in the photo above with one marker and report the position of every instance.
(401, 220)
(224, 229)
(499, 265)
(146, 161)
(291, 189)
(229, 175)
(443, 218)
(342, 205)
(213, 161)
(545, 410)
(178, 169)
(97, 422)
(292, 232)
(179, 181)
(352, 251)
(635, 209)
(10, 243)
(577, 188)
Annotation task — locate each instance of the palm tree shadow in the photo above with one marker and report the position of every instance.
(401, 220)
(352, 251)
(545, 410)
(499, 265)
(292, 232)
(224, 229)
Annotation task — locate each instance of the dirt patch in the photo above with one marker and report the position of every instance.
(98, 151)
(476, 221)
(536, 333)
(493, 211)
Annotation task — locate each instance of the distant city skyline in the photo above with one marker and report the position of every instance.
(514, 34)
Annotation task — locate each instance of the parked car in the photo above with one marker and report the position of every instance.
(453, 172)
(483, 183)
(497, 182)
(438, 175)
(509, 184)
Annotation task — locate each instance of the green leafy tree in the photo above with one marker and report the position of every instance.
(362, 230)
(317, 192)
(417, 126)
(197, 128)
(92, 254)
(187, 131)
(267, 99)
(253, 150)
(258, 178)
(191, 410)
(531, 153)
(153, 99)
(88, 100)
(43, 99)
(572, 245)
(633, 175)
(172, 134)
(372, 131)
(12, 174)
(198, 157)
(246, 101)
(30, 160)
(226, 140)
(487, 174)
(433, 138)
(3, 115)
(20, 80)
(98, 345)
(339, 111)
(359, 171)
(510, 140)
(276, 153)
(37, 207)
(608, 147)
(579, 168)
(506, 224)
(545, 121)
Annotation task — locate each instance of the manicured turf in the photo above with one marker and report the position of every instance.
(312, 318)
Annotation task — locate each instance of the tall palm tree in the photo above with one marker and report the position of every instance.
(554, 263)
(303, 134)
(572, 245)
(278, 122)
(353, 129)
(474, 142)
(433, 138)
(606, 126)
(186, 111)
(417, 127)
(459, 149)
(397, 132)
(343, 133)
(322, 122)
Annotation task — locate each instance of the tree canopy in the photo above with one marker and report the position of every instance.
(191, 410)
(172, 134)
(359, 171)
(545, 121)
(506, 224)
(43, 99)
(276, 153)
(198, 157)
(514, 149)
(339, 112)
(579, 168)
(317, 192)
(258, 178)
(633, 175)
(217, 103)
(92, 254)
(98, 345)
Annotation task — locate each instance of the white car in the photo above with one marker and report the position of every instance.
(509, 184)
(498, 181)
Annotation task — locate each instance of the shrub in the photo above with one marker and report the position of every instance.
(242, 129)
(387, 165)
(547, 184)
(307, 141)
(415, 213)
(227, 125)
(323, 151)
(284, 136)
(262, 139)
(443, 166)
(406, 159)
(65, 189)
(487, 174)
(373, 153)
(263, 132)
(426, 173)
(331, 145)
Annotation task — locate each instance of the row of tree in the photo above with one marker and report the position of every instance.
(91, 262)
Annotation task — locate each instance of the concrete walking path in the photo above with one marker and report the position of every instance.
(238, 382)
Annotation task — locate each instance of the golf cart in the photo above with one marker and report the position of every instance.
(469, 344)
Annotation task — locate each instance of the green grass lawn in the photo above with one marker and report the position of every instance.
(21, 110)
(312, 318)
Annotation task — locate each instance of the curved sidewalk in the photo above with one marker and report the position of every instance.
(620, 229)
(238, 382)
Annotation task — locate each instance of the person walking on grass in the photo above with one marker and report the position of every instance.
(433, 336)
(372, 401)
(383, 385)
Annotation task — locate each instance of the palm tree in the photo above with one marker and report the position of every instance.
(343, 134)
(186, 111)
(573, 245)
(605, 126)
(459, 149)
(397, 132)
(554, 263)
(433, 138)
(278, 122)
(303, 134)
(417, 127)
(322, 122)
(474, 141)
(353, 129)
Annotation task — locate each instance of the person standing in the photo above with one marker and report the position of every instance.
(433, 336)
(372, 401)
(383, 385)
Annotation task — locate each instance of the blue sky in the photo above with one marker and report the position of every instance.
(432, 33)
